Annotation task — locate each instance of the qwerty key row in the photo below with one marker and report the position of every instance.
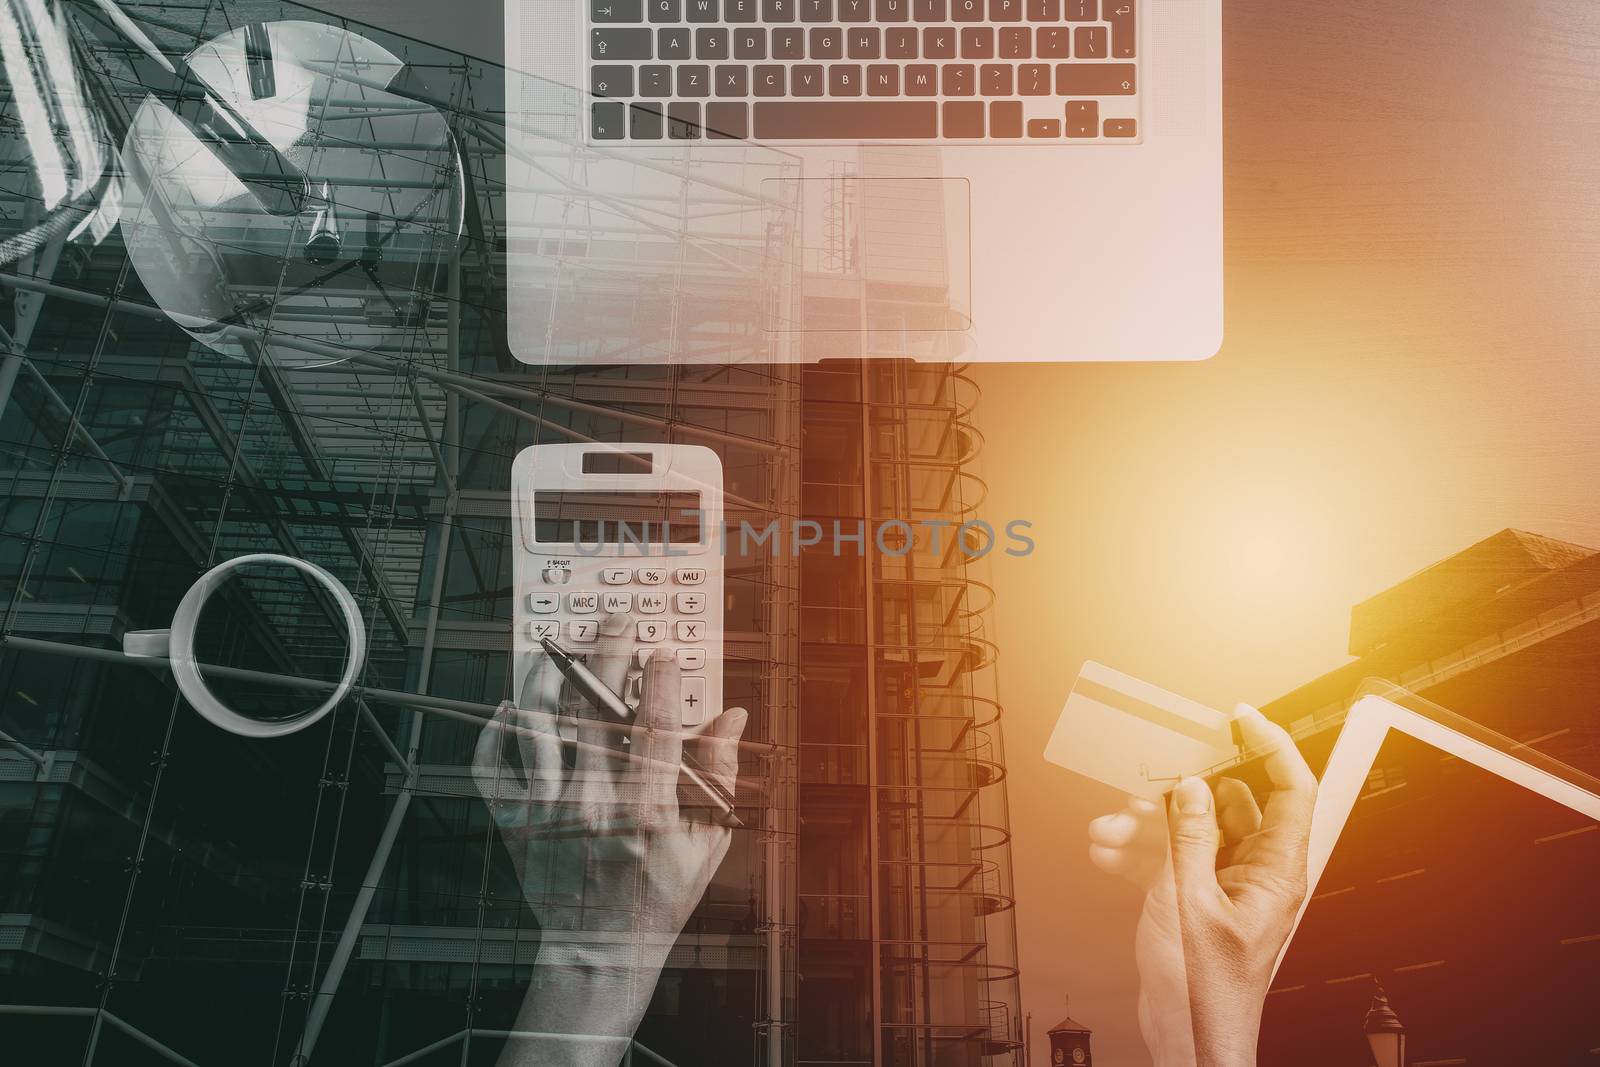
(876, 120)
(621, 44)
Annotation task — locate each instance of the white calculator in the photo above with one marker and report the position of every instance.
(613, 529)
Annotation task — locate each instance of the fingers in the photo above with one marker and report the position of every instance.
(1118, 830)
(609, 663)
(493, 778)
(720, 745)
(540, 748)
(1195, 838)
(1237, 813)
(1286, 821)
(657, 734)
(612, 649)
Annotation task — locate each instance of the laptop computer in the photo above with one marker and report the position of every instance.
(789, 180)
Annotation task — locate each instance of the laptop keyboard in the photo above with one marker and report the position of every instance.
(930, 71)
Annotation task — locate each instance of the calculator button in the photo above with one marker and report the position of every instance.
(616, 575)
(691, 630)
(652, 630)
(691, 575)
(693, 697)
(652, 575)
(616, 603)
(583, 630)
(691, 659)
(556, 574)
(544, 603)
(691, 603)
(652, 603)
(583, 603)
(540, 630)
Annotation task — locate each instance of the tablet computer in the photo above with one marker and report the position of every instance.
(1459, 869)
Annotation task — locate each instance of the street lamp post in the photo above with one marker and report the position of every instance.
(1384, 1032)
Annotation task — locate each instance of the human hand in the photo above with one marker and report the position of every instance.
(1221, 903)
(602, 849)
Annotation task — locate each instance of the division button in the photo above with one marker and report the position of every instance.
(691, 603)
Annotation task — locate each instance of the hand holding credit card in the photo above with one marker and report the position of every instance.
(1134, 736)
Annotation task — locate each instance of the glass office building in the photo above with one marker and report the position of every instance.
(174, 893)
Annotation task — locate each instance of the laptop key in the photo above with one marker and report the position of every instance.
(777, 10)
(844, 79)
(1124, 30)
(612, 11)
(855, 10)
(927, 10)
(676, 43)
(966, 10)
(806, 79)
(1034, 79)
(1090, 42)
(666, 10)
(655, 81)
(1005, 10)
(645, 122)
(816, 10)
(788, 44)
(963, 118)
(1005, 118)
(865, 43)
(619, 45)
(900, 43)
(750, 44)
(958, 79)
(1044, 128)
(611, 81)
(1095, 79)
(703, 10)
(1083, 118)
(683, 121)
(883, 79)
(768, 80)
(1082, 10)
(711, 44)
(878, 120)
(977, 42)
(893, 10)
(606, 121)
(739, 10)
(1043, 10)
(922, 79)
(733, 81)
(694, 80)
(727, 122)
(994, 79)
(1122, 128)
(827, 44)
(939, 42)
(1016, 42)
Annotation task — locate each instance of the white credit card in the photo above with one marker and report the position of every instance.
(1134, 736)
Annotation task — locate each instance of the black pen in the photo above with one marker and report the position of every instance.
(601, 698)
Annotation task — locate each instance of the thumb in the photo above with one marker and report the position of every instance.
(1193, 817)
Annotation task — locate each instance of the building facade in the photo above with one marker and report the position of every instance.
(170, 892)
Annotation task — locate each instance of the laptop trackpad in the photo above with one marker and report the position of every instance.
(888, 254)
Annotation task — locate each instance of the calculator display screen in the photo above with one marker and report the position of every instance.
(616, 517)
